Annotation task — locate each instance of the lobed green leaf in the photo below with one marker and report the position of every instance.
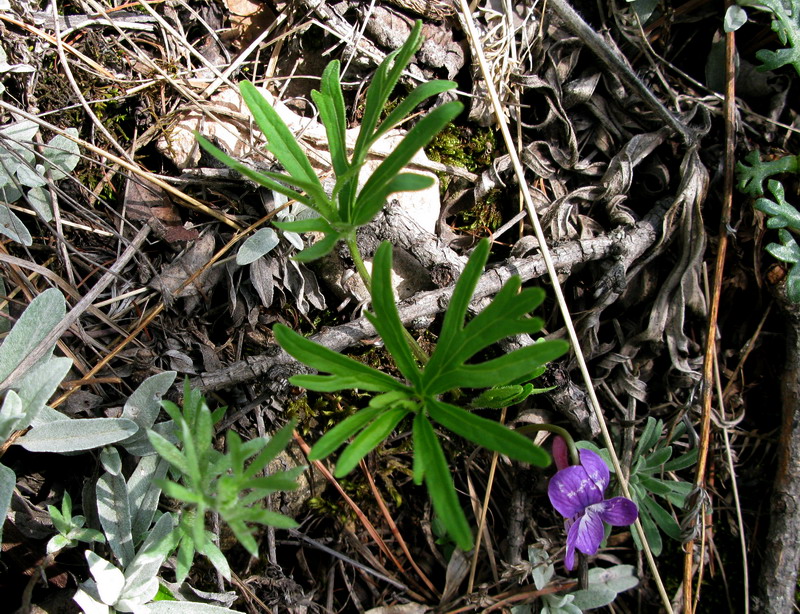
(487, 433)
(378, 430)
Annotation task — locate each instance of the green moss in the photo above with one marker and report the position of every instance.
(464, 146)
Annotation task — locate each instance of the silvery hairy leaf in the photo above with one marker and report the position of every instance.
(8, 480)
(144, 492)
(108, 578)
(143, 406)
(77, 435)
(11, 414)
(182, 607)
(41, 316)
(114, 510)
(141, 575)
(604, 586)
(38, 384)
(259, 244)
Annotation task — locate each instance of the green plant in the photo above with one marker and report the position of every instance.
(348, 207)
(70, 528)
(19, 170)
(754, 171)
(603, 587)
(210, 481)
(653, 458)
(447, 370)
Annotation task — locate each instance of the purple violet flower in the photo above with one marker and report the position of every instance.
(578, 493)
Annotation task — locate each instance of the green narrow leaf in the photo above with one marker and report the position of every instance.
(419, 454)
(387, 320)
(275, 446)
(440, 484)
(378, 430)
(373, 195)
(321, 248)
(381, 86)
(487, 433)
(457, 309)
(323, 359)
(280, 140)
(662, 518)
(409, 103)
(649, 436)
(268, 181)
(330, 103)
(682, 462)
(340, 433)
(168, 451)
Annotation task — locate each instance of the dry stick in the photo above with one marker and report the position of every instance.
(373, 533)
(395, 531)
(146, 175)
(711, 333)
(551, 271)
(82, 305)
(151, 315)
(617, 65)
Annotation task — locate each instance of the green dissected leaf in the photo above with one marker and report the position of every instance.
(781, 213)
(387, 320)
(330, 102)
(786, 24)
(789, 252)
(440, 483)
(498, 371)
(185, 557)
(487, 433)
(280, 140)
(340, 433)
(372, 196)
(284, 480)
(323, 359)
(751, 178)
(378, 430)
(410, 102)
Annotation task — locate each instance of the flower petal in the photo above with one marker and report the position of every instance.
(572, 536)
(588, 532)
(619, 512)
(596, 469)
(571, 491)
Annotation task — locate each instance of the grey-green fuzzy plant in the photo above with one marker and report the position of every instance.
(453, 365)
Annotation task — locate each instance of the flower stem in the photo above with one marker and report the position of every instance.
(530, 429)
